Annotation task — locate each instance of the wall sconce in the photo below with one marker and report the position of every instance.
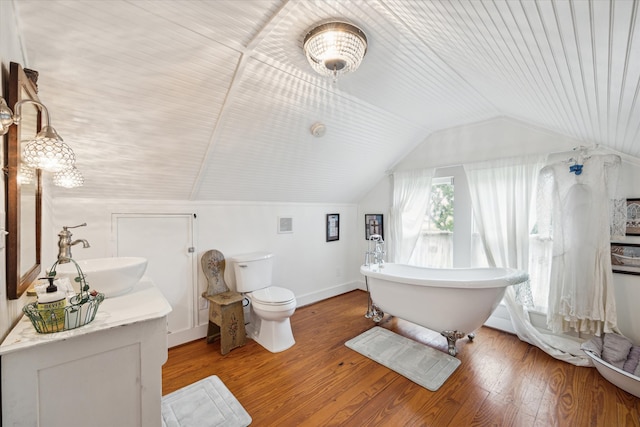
(6, 117)
(47, 150)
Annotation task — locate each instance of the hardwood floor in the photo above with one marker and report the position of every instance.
(502, 381)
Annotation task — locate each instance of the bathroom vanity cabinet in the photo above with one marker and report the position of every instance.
(107, 373)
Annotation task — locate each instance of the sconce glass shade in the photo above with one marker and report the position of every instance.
(26, 175)
(335, 48)
(68, 178)
(47, 151)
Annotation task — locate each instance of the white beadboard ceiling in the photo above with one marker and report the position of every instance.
(214, 100)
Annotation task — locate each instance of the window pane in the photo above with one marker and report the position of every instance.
(440, 216)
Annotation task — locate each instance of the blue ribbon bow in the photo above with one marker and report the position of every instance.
(577, 169)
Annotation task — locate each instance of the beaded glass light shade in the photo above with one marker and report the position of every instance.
(335, 48)
(47, 151)
(68, 178)
(26, 175)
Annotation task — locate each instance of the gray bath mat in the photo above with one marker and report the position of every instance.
(206, 403)
(421, 364)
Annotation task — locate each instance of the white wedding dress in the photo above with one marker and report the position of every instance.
(574, 211)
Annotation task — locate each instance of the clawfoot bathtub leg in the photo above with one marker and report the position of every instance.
(471, 336)
(376, 313)
(452, 337)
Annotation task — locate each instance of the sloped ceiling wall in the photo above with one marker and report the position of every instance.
(213, 100)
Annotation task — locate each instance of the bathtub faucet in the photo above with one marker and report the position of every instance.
(379, 254)
(376, 250)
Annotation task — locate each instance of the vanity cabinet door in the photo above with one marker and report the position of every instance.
(108, 378)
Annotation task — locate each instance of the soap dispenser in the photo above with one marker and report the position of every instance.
(51, 306)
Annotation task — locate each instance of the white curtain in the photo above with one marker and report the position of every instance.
(433, 249)
(502, 194)
(411, 193)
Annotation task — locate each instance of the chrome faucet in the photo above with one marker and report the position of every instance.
(65, 243)
(375, 253)
(379, 253)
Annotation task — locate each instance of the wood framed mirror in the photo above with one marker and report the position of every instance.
(23, 199)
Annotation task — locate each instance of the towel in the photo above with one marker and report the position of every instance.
(615, 349)
(594, 344)
(631, 364)
(615, 346)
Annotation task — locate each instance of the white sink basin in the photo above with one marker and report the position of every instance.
(110, 276)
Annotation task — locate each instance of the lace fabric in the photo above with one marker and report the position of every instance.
(524, 296)
(580, 212)
(618, 217)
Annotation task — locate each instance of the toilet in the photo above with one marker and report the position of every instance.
(270, 306)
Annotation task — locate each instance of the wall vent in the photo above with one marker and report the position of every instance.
(285, 225)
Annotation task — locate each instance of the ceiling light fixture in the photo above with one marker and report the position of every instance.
(335, 48)
(47, 151)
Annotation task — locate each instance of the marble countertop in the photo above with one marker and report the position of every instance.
(144, 302)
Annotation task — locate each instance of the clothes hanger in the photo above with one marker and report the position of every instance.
(578, 160)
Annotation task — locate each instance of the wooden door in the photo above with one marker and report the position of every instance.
(167, 243)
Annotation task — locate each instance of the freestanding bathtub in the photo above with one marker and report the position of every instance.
(452, 301)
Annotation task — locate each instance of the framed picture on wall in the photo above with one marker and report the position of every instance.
(633, 217)
(625, 258)
(333, 227)
(373, 224)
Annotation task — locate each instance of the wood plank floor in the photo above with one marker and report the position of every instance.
(502, 381)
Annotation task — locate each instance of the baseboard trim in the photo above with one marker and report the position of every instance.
(500, 319)
(313, 297)
(177, 338)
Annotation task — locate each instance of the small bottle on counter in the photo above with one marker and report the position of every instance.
(51, 304)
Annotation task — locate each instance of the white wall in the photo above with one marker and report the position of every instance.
(487, 140)
(503, 138)
(304, 262)
(377, 201)
(627, 287)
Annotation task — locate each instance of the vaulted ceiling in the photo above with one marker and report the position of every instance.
(214, 100)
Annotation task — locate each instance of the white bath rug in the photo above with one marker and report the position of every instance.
(206, 403)
(421, 364)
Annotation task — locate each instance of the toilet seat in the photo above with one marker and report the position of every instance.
(273, 296)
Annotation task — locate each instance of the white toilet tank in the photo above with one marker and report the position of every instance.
(253, 271)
